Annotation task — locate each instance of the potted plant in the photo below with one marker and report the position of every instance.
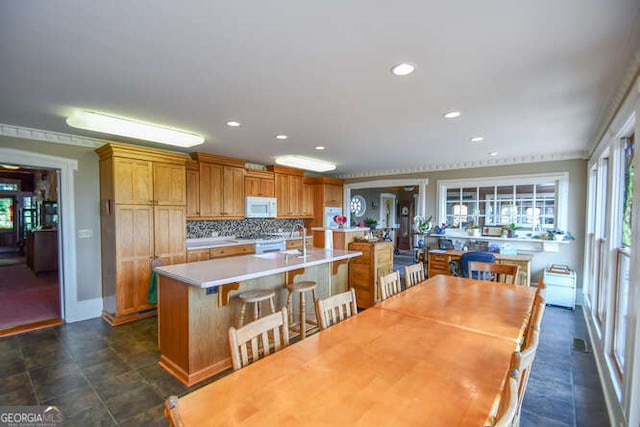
(372, 223)
(511, 229)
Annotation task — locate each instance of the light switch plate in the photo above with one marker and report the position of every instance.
(85, 234)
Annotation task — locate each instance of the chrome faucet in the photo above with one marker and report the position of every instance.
(304, 237)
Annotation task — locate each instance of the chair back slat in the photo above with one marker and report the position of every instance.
(523, 361)
(508, 406)
(413, 274)
(336, 308)
(503, 273)
(389, 285)
(258, 338)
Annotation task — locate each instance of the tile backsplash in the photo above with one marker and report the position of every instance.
(200, 229)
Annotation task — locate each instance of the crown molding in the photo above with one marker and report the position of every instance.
(582, 155)
(625, 87)
(49, 136)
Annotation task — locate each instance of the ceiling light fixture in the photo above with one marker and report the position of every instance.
(233, 123)
(403, 69)
(306, 163)
(98, 122)
(281, 137)
(10, 167)
(452, 114)
(477, 139)
(321, 148)
(493, 153)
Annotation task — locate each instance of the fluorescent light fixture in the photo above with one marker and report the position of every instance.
(124, 127)
(233, 123)
(403, 69)
(306, 163)
(321, 148)
(477, 139)
(281, 137)
(10, 167)
(451, 114)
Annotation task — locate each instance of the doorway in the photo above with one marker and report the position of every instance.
(30, 285)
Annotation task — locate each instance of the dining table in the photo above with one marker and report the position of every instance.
(409, 360)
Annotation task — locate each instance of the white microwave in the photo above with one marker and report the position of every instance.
(260, 207)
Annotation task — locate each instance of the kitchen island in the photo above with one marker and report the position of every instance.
(197, 303)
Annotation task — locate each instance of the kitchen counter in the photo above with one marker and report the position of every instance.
(216, 272)
(198, 302)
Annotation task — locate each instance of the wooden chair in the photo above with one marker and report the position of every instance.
(413, 274)
(535, 322)
(508, 406)
(522, 361)
(542, 288)
(255, 336)
(336, 308)
(502, 273)
(381, 271)
(171, 412)
(389, 285)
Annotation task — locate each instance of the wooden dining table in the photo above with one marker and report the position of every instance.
(393, 364)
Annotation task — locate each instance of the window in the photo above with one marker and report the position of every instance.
(358, 206)
(531, 202)
(6, 213)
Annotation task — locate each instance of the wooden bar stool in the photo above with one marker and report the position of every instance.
(301, 288)
(255, 297)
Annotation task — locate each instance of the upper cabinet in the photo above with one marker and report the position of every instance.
(221, 187)
(259, 183)
(193, 189)
(307, 198)
(327, 192)
(289, 191)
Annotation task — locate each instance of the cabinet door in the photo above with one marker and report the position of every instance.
(333, 195)
(211, 184)
(198, 255)
(267, 188)
(134, 251)
(295, 196)
(170, 234)
(233, 191)
(252, 186)
(307, 200)
(282, 194)
(133, 181)
(193, 193)
(169, 184)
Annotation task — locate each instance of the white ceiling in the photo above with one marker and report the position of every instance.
(534, 77)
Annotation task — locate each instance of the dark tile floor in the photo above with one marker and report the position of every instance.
(100, 375)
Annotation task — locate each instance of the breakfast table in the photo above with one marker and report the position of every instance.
(422, 357)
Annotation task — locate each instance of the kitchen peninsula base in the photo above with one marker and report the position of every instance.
(193, 321)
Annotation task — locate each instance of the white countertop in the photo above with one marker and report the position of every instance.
(220, 271)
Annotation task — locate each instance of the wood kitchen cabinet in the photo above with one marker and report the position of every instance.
(193, 189)
(364, 270)
(142, 217)
(220, 252)
(289, 191)
(259, 183)
(221, 186)
(307, 198)
(327, 192)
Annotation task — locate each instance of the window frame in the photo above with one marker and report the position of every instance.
(562, 191)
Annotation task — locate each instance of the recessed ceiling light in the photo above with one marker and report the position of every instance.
(233, 123)
(306, 163)
(452, 114)
(321, 147)
(477, 139)
(403, 69)
(493, 153)
(281, 137)
(129, 128)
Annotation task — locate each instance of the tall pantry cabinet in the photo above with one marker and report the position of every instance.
(143, 218)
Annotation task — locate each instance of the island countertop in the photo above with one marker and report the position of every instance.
(220, 271)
